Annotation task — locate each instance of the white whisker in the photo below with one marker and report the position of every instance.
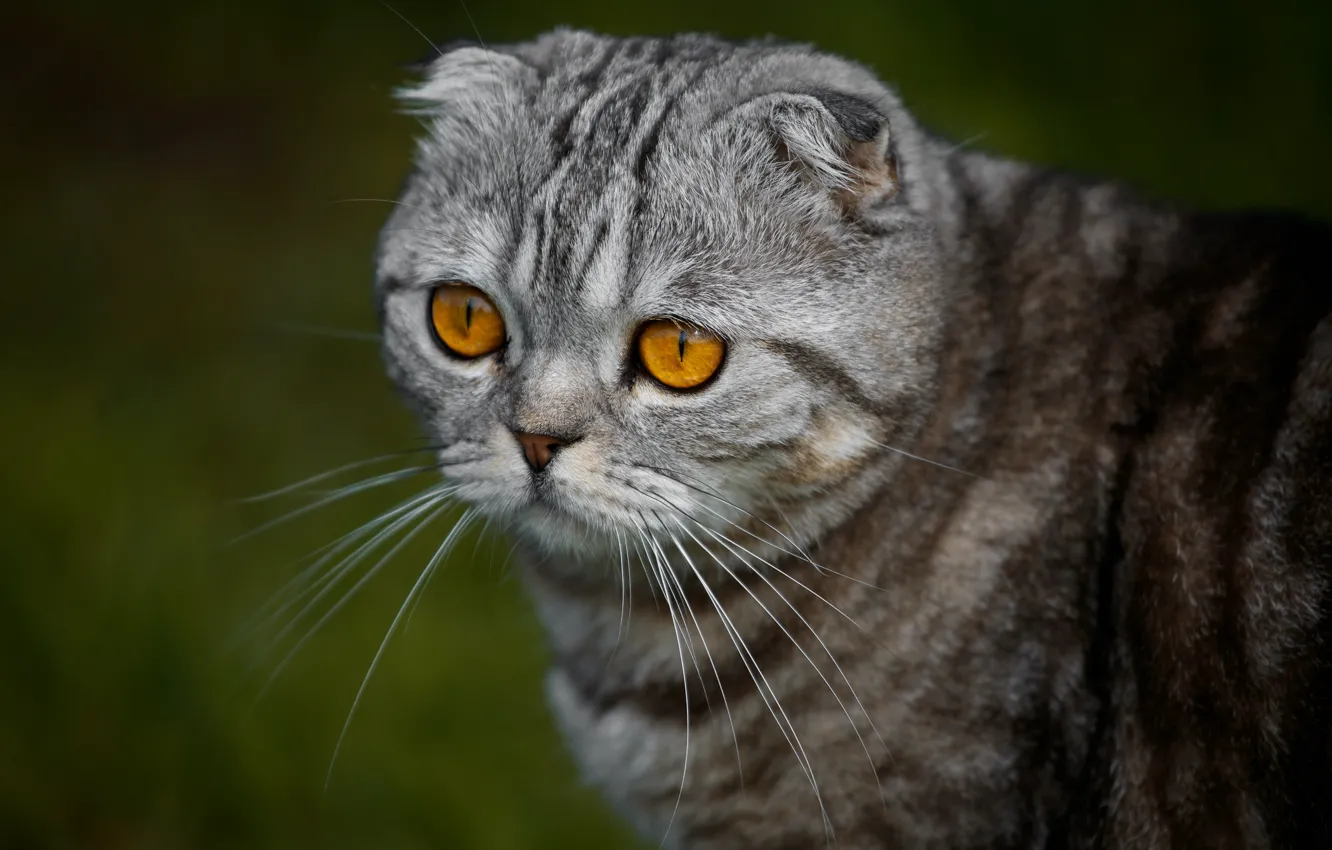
(707, 491)
(765, 689)
(800, 553)
(923, 459)
(434, 563)
(684, 683)
(351, 592)
(324, 476)
(262, 617)
(664, 572)
(732, 546)
(463, 521)
(623, 573)
(421, 210)
(831, 689)
(336, 495)
(859, 704)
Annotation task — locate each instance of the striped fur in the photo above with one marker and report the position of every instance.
(1007, 521)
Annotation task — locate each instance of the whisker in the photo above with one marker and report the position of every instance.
(684, 684)
(622, 573)
(629, 586)
(351, 592)
(664, 572)
(321, 587)
(433, 569)
(323, 555)
(336, 495)
(859, 704)
(923, 459)
(477, 30)
(697, 487)
(735, 738)
(643, 560)
(433, 46)
(966, 143)
(472, 21)
(786, 632)
(732, 546)
(800, 553)
(508, 556)
(381, 200)
(324, 476)
(416, 589)
(765, 689)
(476, 544)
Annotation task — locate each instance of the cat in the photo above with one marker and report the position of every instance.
(874, 492)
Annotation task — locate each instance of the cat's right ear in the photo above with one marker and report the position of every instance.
(841, 143)
(462, 71)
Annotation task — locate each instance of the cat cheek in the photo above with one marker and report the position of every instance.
(835, 447)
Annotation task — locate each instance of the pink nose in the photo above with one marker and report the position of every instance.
(538, 449)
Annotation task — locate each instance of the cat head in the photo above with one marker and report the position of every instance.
(676, 289)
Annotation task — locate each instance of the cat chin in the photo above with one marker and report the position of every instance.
(552, 531)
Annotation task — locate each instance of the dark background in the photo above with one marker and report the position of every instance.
(177, 269)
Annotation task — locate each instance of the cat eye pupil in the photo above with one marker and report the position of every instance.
(469, 314)
(682, 342)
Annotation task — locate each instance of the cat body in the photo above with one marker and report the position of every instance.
(1005, 522)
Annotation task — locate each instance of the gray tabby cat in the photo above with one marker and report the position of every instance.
(874, 493)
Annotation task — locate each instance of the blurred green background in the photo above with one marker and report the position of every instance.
(176, 260)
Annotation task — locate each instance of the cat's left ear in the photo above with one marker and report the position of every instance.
(841, 142)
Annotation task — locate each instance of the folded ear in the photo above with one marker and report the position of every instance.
(840, 142)
(462, 71)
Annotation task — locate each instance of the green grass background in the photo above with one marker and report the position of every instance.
(170, 175)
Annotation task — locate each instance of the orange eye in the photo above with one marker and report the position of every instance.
(679, 356)
(465, 320)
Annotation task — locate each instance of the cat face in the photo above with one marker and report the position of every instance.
(658, 290)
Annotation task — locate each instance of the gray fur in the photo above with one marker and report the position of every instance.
(588, 184)
(970, 531)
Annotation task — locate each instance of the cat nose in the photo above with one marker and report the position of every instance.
(538, 448)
